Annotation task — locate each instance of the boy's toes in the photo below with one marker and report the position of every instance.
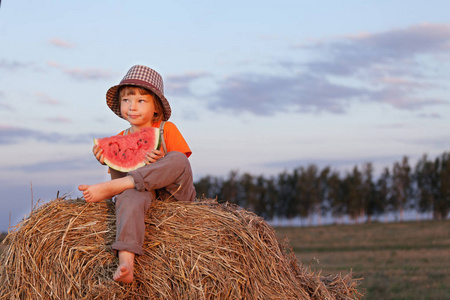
(82, 187)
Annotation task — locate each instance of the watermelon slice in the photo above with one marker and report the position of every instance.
(127, 152)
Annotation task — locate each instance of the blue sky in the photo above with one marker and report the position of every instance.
(255, 86)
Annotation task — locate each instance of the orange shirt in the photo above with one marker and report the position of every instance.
(173, 139)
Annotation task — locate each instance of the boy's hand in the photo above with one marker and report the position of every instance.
(98, 153)
(153, 156)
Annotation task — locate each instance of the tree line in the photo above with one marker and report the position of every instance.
(357, 194)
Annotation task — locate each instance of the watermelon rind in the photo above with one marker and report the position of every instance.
(115, 164)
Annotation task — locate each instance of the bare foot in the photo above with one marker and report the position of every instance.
(96, 192)
(105, 190)
(124, 272)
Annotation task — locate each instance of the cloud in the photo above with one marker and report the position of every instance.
(53, 64)
(393, 68)
(179, 85)
(430, 115)
(59, 120)
(3, 104)
(353, 54)
(439, 142)
(82, 74)
(46, 99)
(334, 163)
(402, 98)
(75, 164)
(270, 37)
(87, 74)
(60, 43)
(13, 65)
(398, 43)
(13, 135)
(393, 64)
(393, 126)
(269, 94)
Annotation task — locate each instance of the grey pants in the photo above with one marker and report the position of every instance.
(168, 176)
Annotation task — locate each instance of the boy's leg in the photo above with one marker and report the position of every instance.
(131, 207)
(172, 173)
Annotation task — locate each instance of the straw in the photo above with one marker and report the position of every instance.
(192, 250)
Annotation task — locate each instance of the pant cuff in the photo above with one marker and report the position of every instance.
(123, 246)
(138, 180)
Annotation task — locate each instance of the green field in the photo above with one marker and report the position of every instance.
(409, 260)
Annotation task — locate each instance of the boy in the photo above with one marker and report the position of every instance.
(139, 99)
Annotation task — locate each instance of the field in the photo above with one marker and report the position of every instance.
(409, 260)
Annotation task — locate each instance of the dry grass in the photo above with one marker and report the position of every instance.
(197, 250)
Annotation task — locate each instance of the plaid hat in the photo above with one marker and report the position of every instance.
(140, 76)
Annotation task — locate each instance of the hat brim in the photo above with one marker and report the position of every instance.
(113, 103)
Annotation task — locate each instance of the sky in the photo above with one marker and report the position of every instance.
(255, 86)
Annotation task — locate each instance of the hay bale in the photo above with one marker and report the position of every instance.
(197, 250)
